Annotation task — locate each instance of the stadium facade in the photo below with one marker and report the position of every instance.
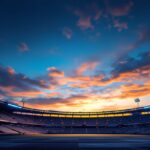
(21, 120)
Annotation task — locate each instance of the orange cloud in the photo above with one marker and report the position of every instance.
(53, 72)
(10, 91)
(10, 70)
(85, 81)
(94, 102)
(86, 66)
(141, 73)
(134, 90)
(53, 94)
(128, 88)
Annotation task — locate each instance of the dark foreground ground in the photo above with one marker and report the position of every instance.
(75, 142)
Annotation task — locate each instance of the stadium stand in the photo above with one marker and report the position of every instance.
(15, 119)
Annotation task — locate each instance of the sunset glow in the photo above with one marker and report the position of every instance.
(75, 55)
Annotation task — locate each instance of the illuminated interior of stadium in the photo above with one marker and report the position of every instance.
(119, 113)
(22, 120)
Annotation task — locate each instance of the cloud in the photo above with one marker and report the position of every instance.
(55, 103)
(34, 93)
(67, 32)
(129, 64)
(120, 25)
(128, 91)
(23, 47)
(10, 70)
(91, 101)
(135, 90)
(81, 91)
(56, 99)
(87, 17)
(13, 82)
(2, 93)
(53, 94)
(85, 23)
(86, 66)
(88, 81)
(116, 11)
(125, 91)
(144, 37)
(98, 14)
(124, 70)
(54, 72)
(121, 10)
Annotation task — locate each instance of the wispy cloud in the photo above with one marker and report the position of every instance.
(67, 32)
(143, 37)
(86, 66)
(23, 47)
(120, 25)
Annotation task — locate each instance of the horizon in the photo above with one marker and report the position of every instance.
(23, 106)
(75, 55)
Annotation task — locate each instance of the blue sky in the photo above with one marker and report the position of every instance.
(106, 41)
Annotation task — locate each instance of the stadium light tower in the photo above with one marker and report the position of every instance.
(137, 100)
(23, 101)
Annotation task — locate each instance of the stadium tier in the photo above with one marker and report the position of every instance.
(21, 120)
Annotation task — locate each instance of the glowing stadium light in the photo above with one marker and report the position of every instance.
(137, 100)
(12, 105)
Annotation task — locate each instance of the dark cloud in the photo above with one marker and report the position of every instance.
(17, 80)
(53, 100)
(125, 50)
(130, 64)
(143, 38)
(44, 100)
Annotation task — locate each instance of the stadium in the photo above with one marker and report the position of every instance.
(75, 75)
(21, 120)
(92, 129)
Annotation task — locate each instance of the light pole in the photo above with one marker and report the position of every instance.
(137, 100)
(23, 102)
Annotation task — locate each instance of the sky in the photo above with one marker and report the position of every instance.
(73, 55)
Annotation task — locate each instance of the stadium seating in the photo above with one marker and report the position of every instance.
(23, 123)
